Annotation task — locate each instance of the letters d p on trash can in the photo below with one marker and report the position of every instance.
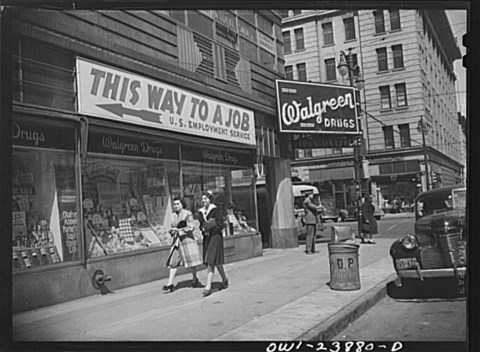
(344, 268)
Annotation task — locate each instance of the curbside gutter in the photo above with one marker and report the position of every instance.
(331, 327)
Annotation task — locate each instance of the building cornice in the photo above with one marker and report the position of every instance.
(313, 15)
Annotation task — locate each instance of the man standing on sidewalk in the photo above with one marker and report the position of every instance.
(310, 222)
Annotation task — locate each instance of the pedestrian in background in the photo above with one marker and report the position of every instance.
(212, 223)
(369, 223)
(310, 222)
(184, 250)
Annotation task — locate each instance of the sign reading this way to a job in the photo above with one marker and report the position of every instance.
(115, 94)
(305, 107)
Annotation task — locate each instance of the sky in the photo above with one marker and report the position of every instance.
(458, 22)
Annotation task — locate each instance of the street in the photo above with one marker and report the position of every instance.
(410, 320)
(390, 226)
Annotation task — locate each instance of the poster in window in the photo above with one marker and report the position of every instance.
(67, 211)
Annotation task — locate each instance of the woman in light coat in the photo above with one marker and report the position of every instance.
(184, 250)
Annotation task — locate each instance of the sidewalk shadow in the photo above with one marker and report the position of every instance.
(188, 284)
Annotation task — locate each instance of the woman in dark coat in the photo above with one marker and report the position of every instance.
(212, 224)
(368, 218)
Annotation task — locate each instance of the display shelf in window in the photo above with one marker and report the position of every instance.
(27, 258)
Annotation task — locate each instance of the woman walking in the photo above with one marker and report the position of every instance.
(369, 224)
(184, 250)
(211, 224)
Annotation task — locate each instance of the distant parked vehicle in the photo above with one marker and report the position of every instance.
(433, 260)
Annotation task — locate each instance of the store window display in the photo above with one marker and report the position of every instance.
(127, 203)
(232, 189)
(44, 208)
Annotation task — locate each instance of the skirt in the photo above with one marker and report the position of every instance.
(184, 252)
(213, 252)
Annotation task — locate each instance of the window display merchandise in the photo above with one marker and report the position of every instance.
(117, 198)
(44, 214)
(127, 204)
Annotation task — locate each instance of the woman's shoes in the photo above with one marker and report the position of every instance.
(169, 288)
(206, 292)
(196, 283)
(224, 285)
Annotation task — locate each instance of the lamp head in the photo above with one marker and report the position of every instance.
(359, 81)
(342, 65)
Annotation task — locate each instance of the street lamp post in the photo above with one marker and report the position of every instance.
(423, 128)
(346, 66)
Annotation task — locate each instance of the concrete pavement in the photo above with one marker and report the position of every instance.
(280, 296)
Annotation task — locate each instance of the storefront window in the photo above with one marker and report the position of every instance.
(127, 203)
(129, 181)
(232, 189)
(44, 201)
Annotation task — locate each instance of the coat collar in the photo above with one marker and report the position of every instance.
(206, 211)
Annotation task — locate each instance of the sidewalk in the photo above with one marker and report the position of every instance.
(280, 296)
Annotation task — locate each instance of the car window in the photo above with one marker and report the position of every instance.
(440, 202)
(298, 202)
(316, 199)
(459, 198)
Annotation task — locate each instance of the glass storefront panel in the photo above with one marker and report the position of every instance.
(127, 203)
(44, 208)
(233, 190)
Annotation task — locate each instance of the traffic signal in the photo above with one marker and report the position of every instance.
(434, 177)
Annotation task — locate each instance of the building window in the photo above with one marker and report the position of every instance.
(404, 135)
(354, 60)
(382, 59)
(388, 137)
(307, 153)
(327, 33)
(401, 92)
(302, 72)
(330, 69)
(394, 20)
(219, 63)
(297, 12)
(349, 28)
(386, 102)
(287, 42)
(397, 56)
(43, 75)
(379, 21)
(299, 44)
(179, 15)
(289, 72)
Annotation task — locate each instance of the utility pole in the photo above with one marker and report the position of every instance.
(346, 66)
(423, 128)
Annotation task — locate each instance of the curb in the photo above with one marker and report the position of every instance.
(331, 327)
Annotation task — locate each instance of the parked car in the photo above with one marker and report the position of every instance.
(433, 260)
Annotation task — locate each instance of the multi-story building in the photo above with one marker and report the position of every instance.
(115, 112)
(406, 59)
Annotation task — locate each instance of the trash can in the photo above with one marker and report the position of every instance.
(344, 269)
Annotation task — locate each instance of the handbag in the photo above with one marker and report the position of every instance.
(365, 226)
